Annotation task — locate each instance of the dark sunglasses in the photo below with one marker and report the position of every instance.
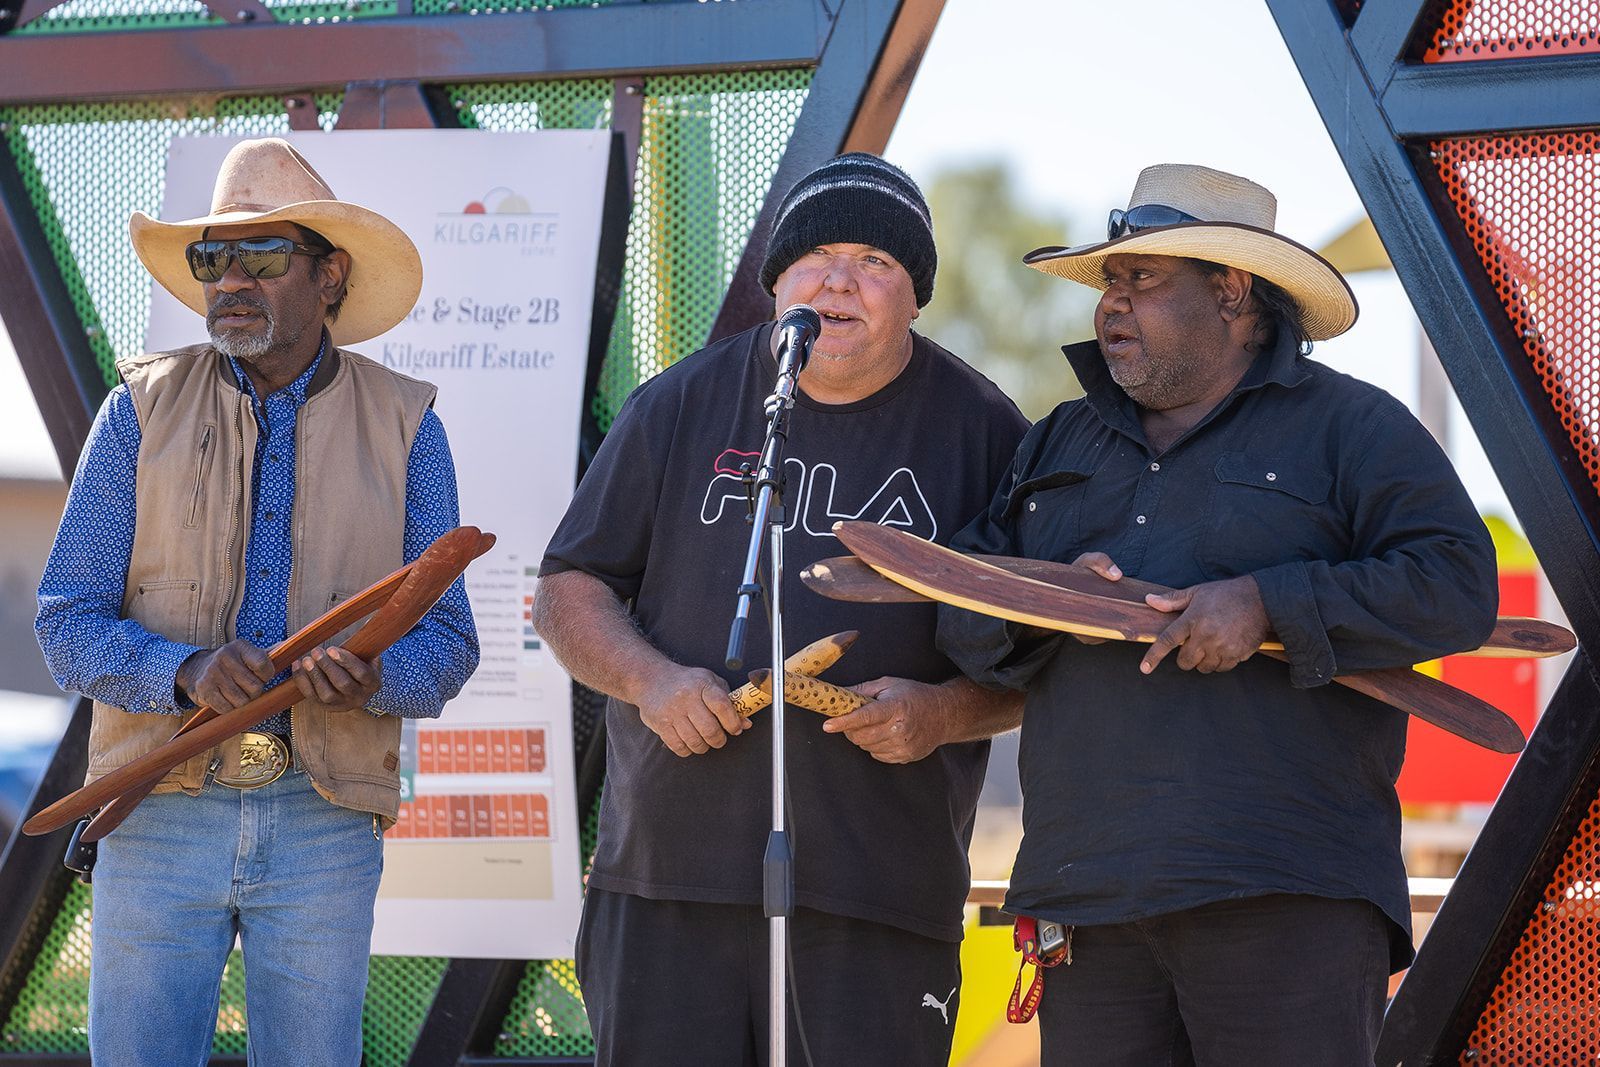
(259, 257)
(1144, 217)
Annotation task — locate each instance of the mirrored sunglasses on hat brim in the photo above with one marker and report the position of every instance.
(258, 257)
(1144, 217)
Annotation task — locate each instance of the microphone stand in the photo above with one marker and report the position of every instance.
(777, 866)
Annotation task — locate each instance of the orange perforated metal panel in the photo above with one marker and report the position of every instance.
(1531, 205)
(1545, 1010)
(1505, 29)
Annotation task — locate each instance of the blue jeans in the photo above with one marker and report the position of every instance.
(293, 876)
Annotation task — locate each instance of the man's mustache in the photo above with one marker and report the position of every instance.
(227, 302)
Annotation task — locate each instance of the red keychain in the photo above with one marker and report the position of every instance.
(1044, 945)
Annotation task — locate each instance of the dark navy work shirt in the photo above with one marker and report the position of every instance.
(1145, 795)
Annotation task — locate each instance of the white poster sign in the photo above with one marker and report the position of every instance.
(485, 859)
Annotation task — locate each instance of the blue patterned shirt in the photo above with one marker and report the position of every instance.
(91, 649)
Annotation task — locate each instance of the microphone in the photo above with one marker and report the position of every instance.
(796, 331)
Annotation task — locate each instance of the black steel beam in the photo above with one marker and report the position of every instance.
(1380, 34)
(1500, 885)
(1447, 287)
(1548, 488)
(848, 105)
(282, 58)
(1436, 99)
(32, 880)
(467, 1011)
(45, 329)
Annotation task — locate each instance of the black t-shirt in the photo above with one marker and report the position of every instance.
(660, 518)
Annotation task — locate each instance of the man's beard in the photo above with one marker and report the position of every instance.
(240, 345)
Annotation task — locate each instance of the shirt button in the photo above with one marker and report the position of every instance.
(269, 516)
(274, 457)
(1140, 520)
(264, 571)
(1033, 505)
(1155, 466)
(1271, 477)
(259, 635)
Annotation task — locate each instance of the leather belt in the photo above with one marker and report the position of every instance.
(263, 758)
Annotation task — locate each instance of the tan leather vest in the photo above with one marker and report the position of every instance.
(353, 440)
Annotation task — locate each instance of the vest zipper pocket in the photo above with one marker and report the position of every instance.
(201, 469)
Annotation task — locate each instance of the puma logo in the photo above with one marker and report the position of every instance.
(930, 1001)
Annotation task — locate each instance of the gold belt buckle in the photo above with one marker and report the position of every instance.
(262, 760)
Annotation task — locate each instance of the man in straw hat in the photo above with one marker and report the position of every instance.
(1219, 834)
(229, 493)
(636, 594)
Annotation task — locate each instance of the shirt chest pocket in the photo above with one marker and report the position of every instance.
(1046, 513)
(1267, 510)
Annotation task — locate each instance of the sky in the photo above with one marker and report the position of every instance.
(1076, 96)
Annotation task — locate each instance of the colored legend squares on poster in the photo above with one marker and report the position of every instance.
(487, 751)
(500, 815)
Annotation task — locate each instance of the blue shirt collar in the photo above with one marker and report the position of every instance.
(296, 389)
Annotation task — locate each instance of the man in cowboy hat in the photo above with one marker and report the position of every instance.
(1219, 834)
(635, 597)
(229, 493)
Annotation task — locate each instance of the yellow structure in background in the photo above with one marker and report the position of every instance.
(983, 1038)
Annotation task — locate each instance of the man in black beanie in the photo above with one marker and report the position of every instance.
(635, 596)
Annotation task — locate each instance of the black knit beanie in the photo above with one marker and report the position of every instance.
(859, 199)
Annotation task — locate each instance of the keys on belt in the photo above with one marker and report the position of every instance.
(263, 758)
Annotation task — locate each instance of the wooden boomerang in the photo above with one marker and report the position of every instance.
(428, 579)
(951, 578)
(282, 656)
(810, 661)
(849, 578)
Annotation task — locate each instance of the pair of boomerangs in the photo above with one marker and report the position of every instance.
(892, 566)
(395, 604)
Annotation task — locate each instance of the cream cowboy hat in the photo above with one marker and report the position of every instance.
(266, 180)
(1178, 209)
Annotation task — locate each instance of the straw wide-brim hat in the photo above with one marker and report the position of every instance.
(1236, 229)
(266, 180)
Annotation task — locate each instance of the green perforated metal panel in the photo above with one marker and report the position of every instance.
(490, 7)
(709, 147)
(546, 1017)
(83, 203)
(98, 16)
(51, 1014)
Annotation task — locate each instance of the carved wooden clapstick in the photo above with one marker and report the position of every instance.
(282, 656)
(812, 660)
(813, 694)
(428, 578)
